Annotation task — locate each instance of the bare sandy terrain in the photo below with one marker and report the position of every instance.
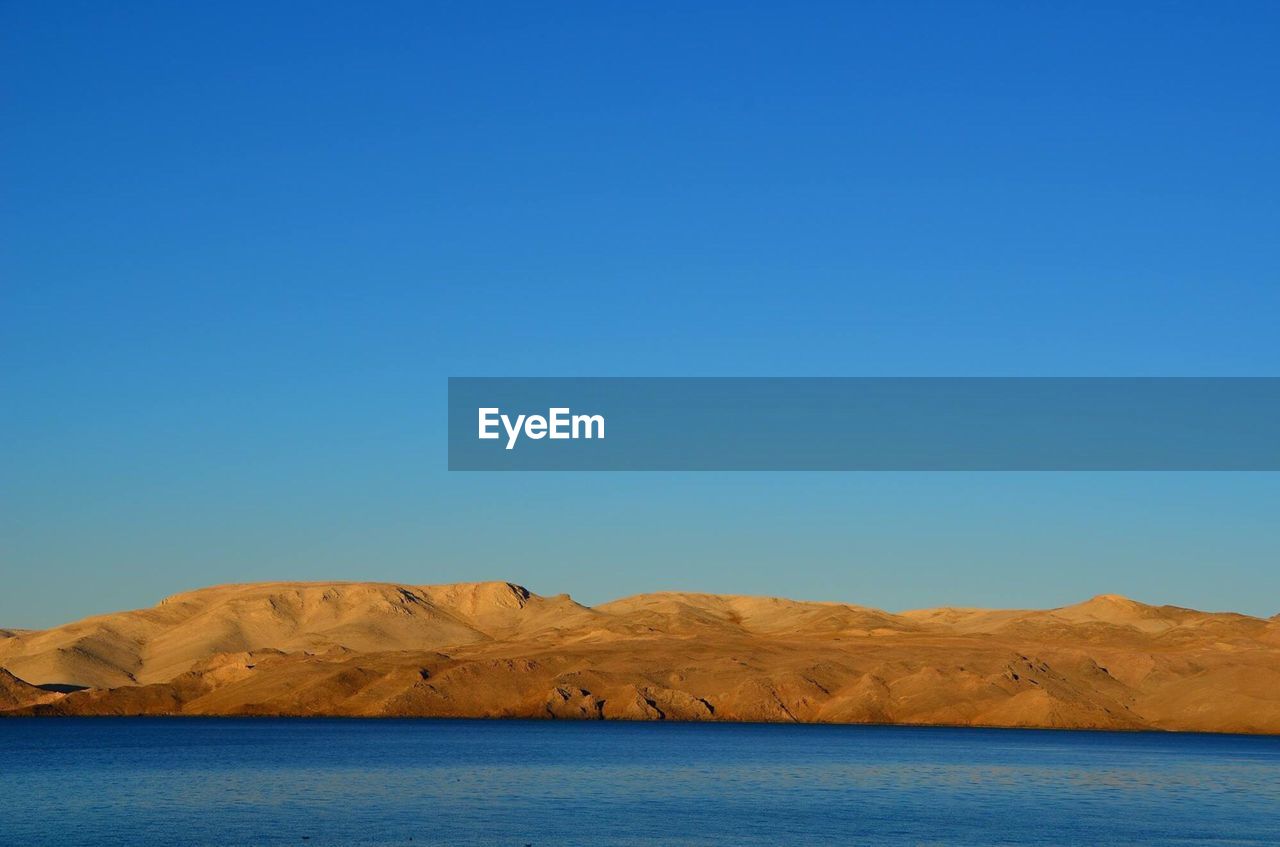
(496, 650)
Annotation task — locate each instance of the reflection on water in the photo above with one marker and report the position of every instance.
(101, 781)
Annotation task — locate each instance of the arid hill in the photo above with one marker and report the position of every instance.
(495, 650)
(15, 693)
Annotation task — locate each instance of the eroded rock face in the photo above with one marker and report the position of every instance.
(497, 650)
(574, 703)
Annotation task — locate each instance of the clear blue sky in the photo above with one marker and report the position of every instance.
(243, 246)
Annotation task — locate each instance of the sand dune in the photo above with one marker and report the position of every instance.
(496, 650)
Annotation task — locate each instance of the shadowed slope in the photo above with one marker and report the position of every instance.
(16, 693)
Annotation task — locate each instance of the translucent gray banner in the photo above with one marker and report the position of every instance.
(847, 424)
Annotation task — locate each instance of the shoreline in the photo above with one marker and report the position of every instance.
(291, 718)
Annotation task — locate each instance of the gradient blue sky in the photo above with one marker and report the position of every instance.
(243, 246)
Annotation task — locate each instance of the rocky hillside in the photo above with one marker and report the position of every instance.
(497, 650)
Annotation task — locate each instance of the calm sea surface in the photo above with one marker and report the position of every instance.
(347, 782)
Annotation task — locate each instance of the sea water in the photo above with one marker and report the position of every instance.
(322, 782)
